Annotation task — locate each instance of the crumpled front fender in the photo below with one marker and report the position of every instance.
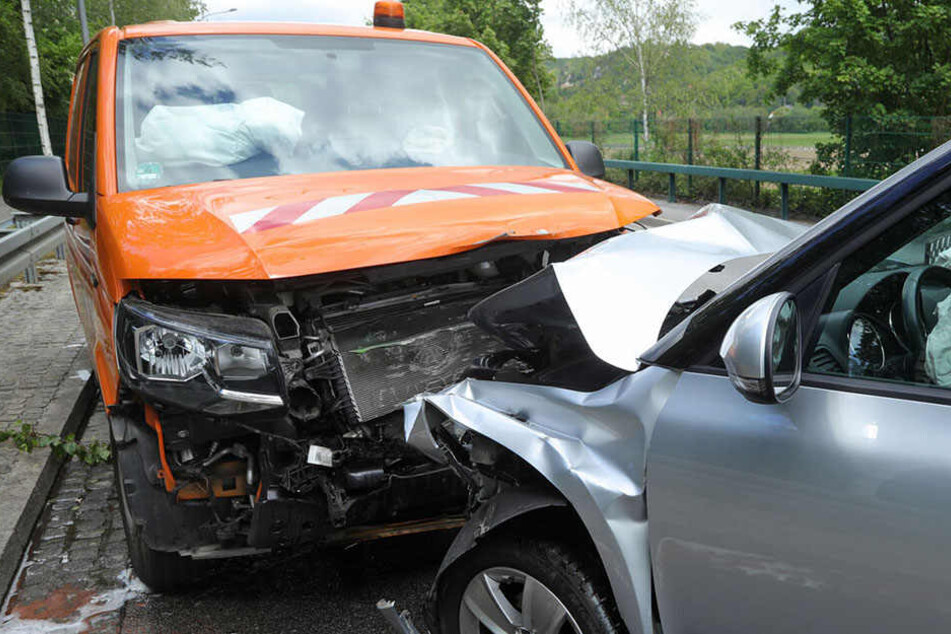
(591, 446)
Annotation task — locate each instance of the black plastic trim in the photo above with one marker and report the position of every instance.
(37, 185)
(871, 387)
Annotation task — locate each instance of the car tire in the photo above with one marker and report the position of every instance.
(164, 572)
(573, 577)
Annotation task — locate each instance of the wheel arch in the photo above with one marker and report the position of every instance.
(588, 447)
(537, 510)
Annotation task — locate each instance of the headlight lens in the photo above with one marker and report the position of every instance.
(206, 362)
(163, 353)
(240, 363)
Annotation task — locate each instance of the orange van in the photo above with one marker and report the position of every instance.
(275, 233)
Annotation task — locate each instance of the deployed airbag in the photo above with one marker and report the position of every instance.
(219, 134)
(938, 347)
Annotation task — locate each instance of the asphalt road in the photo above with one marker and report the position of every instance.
(320, 593)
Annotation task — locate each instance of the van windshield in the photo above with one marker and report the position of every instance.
(218, 107)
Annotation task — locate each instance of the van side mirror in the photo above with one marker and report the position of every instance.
(761, 350)
(38, 185)
(588, 157)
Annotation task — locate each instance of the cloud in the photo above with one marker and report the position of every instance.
(326, 11)
(715, 25)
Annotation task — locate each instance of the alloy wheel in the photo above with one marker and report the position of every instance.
(507, 601)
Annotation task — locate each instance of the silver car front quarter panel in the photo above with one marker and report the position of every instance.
(591, 446)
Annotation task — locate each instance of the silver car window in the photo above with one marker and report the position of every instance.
(889, 317)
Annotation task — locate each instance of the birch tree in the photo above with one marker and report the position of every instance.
(644, 32)
(35, 77)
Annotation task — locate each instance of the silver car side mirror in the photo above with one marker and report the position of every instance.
(761, 350)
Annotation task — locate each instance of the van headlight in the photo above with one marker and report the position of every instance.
(208, 362)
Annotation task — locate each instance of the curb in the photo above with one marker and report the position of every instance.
(72, 405)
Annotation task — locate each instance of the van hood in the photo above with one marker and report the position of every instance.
(287, 226)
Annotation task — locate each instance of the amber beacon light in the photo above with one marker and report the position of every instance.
(388, 13)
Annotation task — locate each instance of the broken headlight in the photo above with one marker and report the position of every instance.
(218, 364)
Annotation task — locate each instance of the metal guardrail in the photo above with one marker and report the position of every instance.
(722, 174)
(22, 248)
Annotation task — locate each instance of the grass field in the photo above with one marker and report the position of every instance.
(799, 147)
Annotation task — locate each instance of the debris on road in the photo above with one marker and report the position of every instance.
(399, 621)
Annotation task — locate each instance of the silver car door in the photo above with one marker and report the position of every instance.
(829, 513)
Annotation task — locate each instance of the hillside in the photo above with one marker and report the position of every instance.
(707, 80)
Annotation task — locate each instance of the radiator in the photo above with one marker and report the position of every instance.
(387, 358)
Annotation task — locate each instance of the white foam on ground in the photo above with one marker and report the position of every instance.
(108, 601)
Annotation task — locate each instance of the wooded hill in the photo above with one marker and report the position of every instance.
(702, 81)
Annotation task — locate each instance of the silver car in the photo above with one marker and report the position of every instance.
(729, 424)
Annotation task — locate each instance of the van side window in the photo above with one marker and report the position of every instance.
(75, 124)
(87, 147)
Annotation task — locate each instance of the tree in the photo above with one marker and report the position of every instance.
(884, 59)
(511, 28)
(645, 32)
(706, 80)
(59, 42)
(35, 79)
(15, 92)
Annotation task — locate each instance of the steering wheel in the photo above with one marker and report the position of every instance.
(924, 288)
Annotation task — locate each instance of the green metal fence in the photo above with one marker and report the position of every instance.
(724, 174)
(869, 147)
(19, 136)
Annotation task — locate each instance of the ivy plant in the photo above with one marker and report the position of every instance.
(25, 437)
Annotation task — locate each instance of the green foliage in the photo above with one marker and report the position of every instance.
(25, 438)
(647, 35)
(511, 28)
(876, 61)
(59, 41)
(708, 80)
(14, 93)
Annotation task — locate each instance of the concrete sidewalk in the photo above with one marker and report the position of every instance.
(44, 379)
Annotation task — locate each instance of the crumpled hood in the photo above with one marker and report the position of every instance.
(287, 226)
(620, 290)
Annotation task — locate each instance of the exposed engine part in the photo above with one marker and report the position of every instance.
(485, 270)
(361, 478)
(305, 403)
(286, 330)
(352, 347)
(239, 451)
(301, 477)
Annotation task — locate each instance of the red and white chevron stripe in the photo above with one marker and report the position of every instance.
(312, 210)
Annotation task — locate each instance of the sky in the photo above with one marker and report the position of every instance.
(717, 16)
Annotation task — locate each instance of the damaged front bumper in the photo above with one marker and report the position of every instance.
(269, 412)
(590, 446)
(163, 523)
